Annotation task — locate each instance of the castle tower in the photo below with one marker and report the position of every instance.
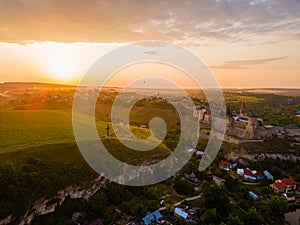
(200, 113)
(207, 117)
(251, 127)
(243, 110)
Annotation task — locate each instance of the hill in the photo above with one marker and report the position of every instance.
(27, 129)
(39, 156)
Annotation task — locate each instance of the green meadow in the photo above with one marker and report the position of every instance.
(23, 129)
(28, 129)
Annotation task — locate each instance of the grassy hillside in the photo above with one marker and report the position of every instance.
(24, 129)
(21, 129)
(38, 147)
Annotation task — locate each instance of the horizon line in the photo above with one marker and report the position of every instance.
(108, 86)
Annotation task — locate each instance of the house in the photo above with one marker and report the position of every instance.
(248, 175)
(233, 166)
(289, 196)
(218, 180)
(268, 175)
(94, 222)
(199, 153)
(240, 172)
(284, 185)
(225, 165)
(258, 175)
(181, 213)
(152, 218)
(252, 195)
(210, 175)
(192, 178)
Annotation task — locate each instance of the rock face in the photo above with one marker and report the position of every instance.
(6, 220)
(262, 156)
(44, 206)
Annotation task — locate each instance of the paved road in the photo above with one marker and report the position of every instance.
(187, 199)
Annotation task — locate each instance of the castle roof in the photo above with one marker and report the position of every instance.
(243, 108)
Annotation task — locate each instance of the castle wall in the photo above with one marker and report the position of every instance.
(250, 130)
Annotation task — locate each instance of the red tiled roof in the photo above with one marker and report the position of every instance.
(280, 184)
(248, 172)
(224, 163)
(258, 174)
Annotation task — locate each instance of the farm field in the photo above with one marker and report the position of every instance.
(21, 129)
(32, 130)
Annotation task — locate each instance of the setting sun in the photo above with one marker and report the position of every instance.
(62, 69)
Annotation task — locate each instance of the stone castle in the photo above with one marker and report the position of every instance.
(249, 127)
(239, 125)
(246, 127)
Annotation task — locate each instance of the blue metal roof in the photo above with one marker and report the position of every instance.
(154, 216)
(181, 213)
(252, 195)
(268, 174)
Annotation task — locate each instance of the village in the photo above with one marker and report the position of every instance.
(255, 173)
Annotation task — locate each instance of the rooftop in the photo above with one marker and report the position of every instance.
(248, 172)
(224, 164)
(280, 184)
(152, 217)
(181, 213)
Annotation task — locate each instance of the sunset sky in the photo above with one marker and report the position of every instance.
(246, 43)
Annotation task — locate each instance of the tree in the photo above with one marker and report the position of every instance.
(97, 205)
(216, 197)
(209, 216)
(279, 207)
(114, 192)
(234, 220)
(228, 111)
(253, 217)
(182, 186)
(231, 183)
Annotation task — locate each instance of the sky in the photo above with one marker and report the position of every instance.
(246, 43)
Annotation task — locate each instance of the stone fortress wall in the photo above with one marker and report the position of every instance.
(250, 127)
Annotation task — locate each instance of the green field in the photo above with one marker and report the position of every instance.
(21, 129)
(28, 129)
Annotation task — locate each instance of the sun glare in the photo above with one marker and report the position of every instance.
(62, 69)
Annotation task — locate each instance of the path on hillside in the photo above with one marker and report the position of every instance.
(186, 199)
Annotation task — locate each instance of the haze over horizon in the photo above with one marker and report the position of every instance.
(246, 43)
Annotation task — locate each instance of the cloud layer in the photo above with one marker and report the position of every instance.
(188, 22)
(244, 64)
